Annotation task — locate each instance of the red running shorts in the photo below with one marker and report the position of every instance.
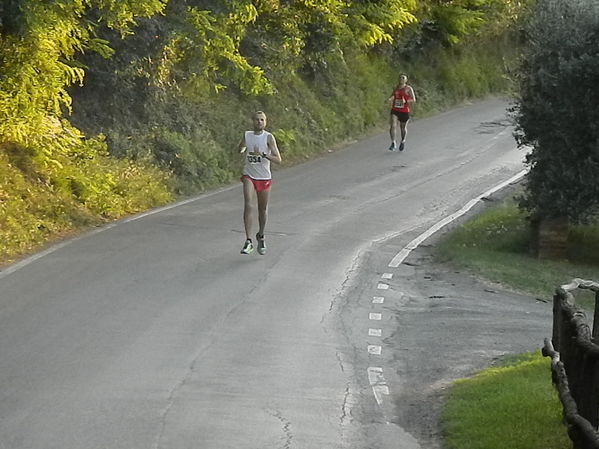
(259, 184)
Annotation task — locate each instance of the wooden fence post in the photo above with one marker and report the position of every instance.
(575, 366)
(587, 383)
(557, 322)
(569, 355)
(596, 318)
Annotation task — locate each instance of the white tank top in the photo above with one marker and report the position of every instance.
(256, 166)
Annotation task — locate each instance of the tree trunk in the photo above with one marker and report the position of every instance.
(551, 238)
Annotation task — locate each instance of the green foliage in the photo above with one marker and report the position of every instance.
(457, 19)
(54, 178)
(197, 168)
(376, 22)
(207, 56)
(39, 200)
(557, 109)
(452, 22)
(50, 35)
(171, 85)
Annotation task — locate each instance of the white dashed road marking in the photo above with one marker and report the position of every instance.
(375, 349)
(378, 384)
(375, 374)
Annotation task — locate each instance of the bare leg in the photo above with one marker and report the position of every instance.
(403, 128)
(248, 195)
(262, 209)
(393, 127)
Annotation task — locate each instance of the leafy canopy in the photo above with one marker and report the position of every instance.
(557, 110)
(38, 64)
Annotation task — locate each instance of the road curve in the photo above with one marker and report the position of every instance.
(156, 332)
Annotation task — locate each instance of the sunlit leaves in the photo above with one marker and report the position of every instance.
(121, 14)
(376, 22)
(207, 56)
(38, 65)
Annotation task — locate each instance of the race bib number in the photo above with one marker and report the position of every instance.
(254, 158)
(398, 103)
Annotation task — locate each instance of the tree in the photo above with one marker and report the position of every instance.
(557, 112)
(39, 42)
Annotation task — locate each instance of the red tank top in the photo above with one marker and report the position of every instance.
(400, 100)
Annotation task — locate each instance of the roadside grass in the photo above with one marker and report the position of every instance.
(513, 405)
(495, 246)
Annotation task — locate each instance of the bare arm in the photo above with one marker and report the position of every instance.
(391, 98)
(242, 146)
(412, 96)
(275, 155)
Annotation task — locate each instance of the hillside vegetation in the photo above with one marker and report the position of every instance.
(110, 108)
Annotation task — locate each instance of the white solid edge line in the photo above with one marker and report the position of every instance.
(401, 256)
(28, 260)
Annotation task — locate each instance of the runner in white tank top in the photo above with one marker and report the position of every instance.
(260, 148)
(257, 166)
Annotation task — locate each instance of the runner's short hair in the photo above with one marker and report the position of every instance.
(258, 113)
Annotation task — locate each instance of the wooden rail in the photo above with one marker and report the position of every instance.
(575, 363)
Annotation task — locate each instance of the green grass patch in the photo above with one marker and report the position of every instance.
(509, 406)
(513, 405)
(495, 245)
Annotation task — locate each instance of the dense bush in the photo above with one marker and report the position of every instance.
(557, 111)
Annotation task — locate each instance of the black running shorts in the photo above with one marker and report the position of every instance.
(401, 116)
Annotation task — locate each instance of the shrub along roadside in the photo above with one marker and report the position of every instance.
(41, 202)
(514, 405)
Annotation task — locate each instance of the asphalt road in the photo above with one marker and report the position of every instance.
(156, 332)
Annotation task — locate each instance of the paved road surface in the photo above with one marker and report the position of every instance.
(156, 332)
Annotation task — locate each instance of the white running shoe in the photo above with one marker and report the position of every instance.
(247, 247)
(261, 244)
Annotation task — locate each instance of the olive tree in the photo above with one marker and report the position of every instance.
(557, 112)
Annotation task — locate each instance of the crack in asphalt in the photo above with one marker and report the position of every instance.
(354, 266)
(338, 355)
(345, 407)
(190, 371)
(286, 428)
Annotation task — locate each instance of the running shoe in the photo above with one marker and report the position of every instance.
(247, 247)
(401, 146)
(261, 244)
(392, 147)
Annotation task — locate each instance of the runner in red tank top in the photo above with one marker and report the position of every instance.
(401, 98)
